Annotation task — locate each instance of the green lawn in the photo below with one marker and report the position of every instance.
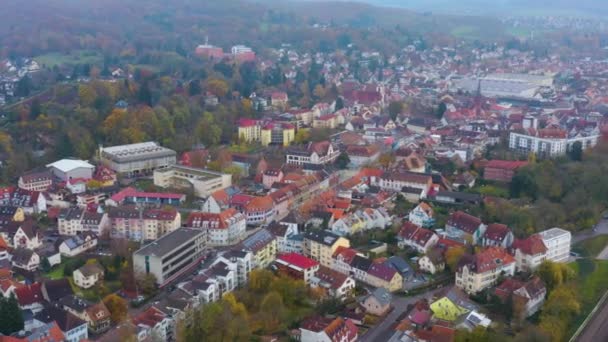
(56, 272)
(53, 59)
(591, 247)
(591, 286)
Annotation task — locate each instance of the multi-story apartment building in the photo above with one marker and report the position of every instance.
(170, 254)
(142, 224)
(36, 181)
(550, 142)
(321, 245)
(263, 245)
(137, 159)
(297, 266)
(319, 153)
(484, 269)
(72, 221)
(558, 243)
(201, 182)
(266, 133)
(223, 229)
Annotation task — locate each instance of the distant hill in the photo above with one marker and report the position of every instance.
(522, 7)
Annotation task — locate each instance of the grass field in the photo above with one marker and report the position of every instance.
(56, 272)
(592, 277)
(53, 59)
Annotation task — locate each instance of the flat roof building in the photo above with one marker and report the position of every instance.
(171, 254)
(135, 159)
(202, 182)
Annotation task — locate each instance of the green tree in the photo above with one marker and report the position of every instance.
(146, 283)
(117, 306)
(394, 109)
(10, 315)
(576, 151)
(554, 274)
(45, 265)
(272, 312)
(441, 109)
(453, 256)
(343, 160)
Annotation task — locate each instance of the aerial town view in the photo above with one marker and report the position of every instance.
(298, 170)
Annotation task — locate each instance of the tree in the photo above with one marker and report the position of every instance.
(339, 103)
(441, 109)
(302, 136)
(272, 312)
(453, 256)
(146, 283)
(45, 265)
(10, 315)
(386, 159)
(218, 87)
(576, 151)
(561, 307)
(343, 160)
(117, 306)
(554, 274)
(194, 88)
(394, 109)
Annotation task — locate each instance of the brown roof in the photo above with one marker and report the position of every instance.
(486, 260)
(496, 232)
(465, 222)
(532, 245)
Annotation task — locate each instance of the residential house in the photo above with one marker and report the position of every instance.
(10, 214)
(383, 275)
(498, 235)
(154, 323)
(315, 153)
(558, 243)
(396, 181)
(263, 245)
(223, 229)
(452, 305)
(297, 266)
(420, 239)
(32, 202)
(360, 156)
(260, 210)
(336, 284)
(472, 320)
(271, 176)
(88, 275)
(465, 226)
(423, 215)
(320, 329)
(484, 269)
(25, 259)
(529, 253)
(241, 262)
(432, 262)
(377, 303)
(25, 236)
(502, 170)
(321, 246)
(96, 315)
(284, 232)
(30, 297)
(74, 328)
(78, 244)
(528, 295)
(54, 290)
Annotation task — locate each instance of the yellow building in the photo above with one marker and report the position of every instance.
(16, 214)
(249, 130)
(321, 245)
(278, 134)
(381, 276)
(263, 246)
(453, 305)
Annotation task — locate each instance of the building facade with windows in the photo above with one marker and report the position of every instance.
(137, 159)
(202, 182)
(170, 254)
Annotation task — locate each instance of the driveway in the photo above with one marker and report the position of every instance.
(600, 229)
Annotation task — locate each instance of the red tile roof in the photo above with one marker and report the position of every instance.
(532, 245)
(29, 294)
(465, 222)
(297, 260)
(496, 232)
(506, 164)
(486, 260)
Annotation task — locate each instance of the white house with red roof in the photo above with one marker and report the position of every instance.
(297, 266)
(223, 229)
(337, 285)
(421, 239)
(482, 270)
(529, 253)
(465, 226)
(321, 329)
(498, 235)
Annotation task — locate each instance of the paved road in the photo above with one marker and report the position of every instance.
(385, 329)
(596, 329)
(601, 229)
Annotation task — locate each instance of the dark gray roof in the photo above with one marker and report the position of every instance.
(322, 236)
(169, 242)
